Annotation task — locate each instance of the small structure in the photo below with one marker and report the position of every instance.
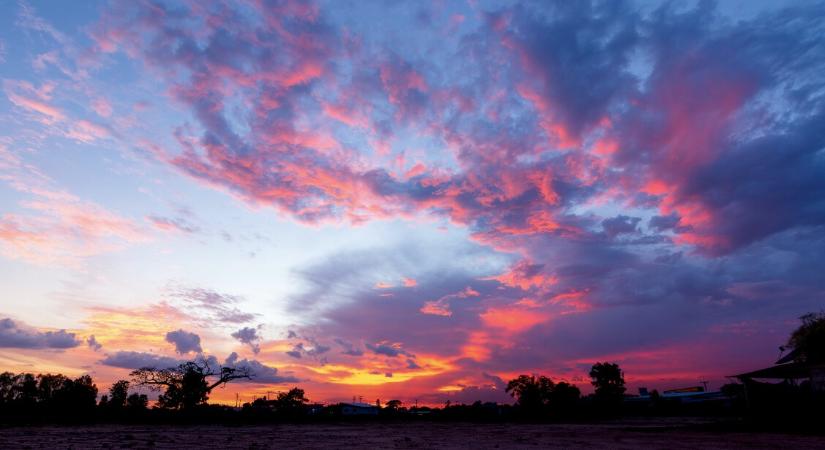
(790, 371)
(358, 409)
(686, 395)
(788, 390)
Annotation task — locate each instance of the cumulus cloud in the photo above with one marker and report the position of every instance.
(15, 334)
(250, 337)
(184, 341)
(137, 360)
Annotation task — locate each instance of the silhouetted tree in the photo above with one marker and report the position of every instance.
(18, 391)
(536, 395)
(82, 394)
(189, 384)
(608, 379)
(118, 393)
(137, 402)
(49, 395)
(52, 390)
(291, 403)
(808, 340)
(393, 405)
(531, 393)
(564, 397)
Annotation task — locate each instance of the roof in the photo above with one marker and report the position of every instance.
(791, 356)
(359, 405)
(780, 371)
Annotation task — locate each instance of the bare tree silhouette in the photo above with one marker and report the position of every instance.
(189, 384)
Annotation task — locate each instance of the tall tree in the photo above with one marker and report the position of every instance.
(118, 394)
(532, 393)
(608, 379)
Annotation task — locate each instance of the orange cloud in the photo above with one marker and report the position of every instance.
(513, 319)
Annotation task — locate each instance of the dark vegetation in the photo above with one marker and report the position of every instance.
(184, 392)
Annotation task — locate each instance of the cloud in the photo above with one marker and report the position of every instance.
(348, 348)
(615, 226)
(93, 343)
(610, 165)
(17, 335)
(173, 224)
(664, 223)
(387, 349)
(310, 348)
(210, 305)
(55, 226)
(35, 99)
(138, 360)
(250, 337)
(260, 373)
(184, 341)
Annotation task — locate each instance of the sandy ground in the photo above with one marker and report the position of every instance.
(402, 435)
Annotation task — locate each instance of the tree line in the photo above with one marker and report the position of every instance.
(184, 390)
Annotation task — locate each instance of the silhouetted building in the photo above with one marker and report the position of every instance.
(789, 371)
(358, 409)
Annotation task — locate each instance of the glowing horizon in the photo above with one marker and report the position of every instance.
(406, 200)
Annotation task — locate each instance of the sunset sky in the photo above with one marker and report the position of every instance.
(409, 200)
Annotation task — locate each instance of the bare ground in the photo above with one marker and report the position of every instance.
(618, 435)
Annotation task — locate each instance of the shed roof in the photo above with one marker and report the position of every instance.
(792, 370)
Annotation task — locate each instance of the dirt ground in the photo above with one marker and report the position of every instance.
(620, 435)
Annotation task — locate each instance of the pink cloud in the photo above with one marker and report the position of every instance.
(57, 227)
(102, 107)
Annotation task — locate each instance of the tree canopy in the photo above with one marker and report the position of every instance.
(808, 340)
(538, 394)
(189, 384)
(608, 381)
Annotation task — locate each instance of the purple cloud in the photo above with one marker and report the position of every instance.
(250, 337)
(137, 360)
(18, 335)
(184, 341)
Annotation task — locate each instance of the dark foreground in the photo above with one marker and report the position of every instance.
(616, 435)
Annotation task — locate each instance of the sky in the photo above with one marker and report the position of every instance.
(409, 200)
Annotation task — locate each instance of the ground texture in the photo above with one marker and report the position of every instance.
(624, 435)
